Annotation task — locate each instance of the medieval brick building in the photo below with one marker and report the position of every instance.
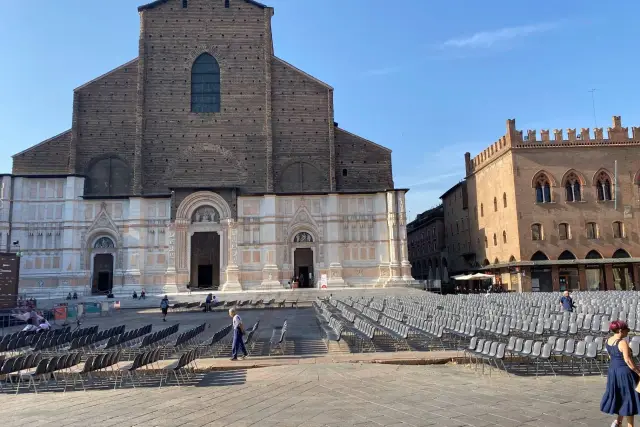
(205, 160)
(551, 213)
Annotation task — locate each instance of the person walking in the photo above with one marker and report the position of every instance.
(566, 302)
(238, 333)
(620, 397)
(164, 306)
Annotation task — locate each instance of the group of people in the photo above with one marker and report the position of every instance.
(36, 322)
(74, 296)
(143, 294)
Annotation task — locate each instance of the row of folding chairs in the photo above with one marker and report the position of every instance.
(158, 336)
(120, 340)
(188, 336)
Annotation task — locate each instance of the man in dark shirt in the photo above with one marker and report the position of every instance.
(566, 302)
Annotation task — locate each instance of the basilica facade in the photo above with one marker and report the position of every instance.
(206, 161)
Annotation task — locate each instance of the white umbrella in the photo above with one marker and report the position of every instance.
(480, 276)
(462, 277)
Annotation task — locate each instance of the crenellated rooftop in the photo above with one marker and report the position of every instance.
(515, 139)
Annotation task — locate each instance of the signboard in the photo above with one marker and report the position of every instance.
(9, 277)
(323, 281)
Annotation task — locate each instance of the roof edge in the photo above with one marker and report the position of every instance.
(157, 3)
(365, 139)
(42, 143)
(317, 80)
(105, 74)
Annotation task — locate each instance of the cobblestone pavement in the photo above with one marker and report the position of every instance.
(326, 395)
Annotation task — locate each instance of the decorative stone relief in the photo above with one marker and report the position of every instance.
(234, 242)
(303, 237)
(207, 214)
(172, 245)
(104, 243)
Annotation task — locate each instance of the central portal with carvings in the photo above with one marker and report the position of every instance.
(205, 260)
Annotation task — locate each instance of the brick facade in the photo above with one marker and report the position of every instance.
(273, 136)
(507, 207)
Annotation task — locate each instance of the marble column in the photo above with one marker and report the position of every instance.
(233, 272)
(402, 241)
(392, 225)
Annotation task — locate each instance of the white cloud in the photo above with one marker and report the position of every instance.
(433, 179)
(487, 39)
(382, 71)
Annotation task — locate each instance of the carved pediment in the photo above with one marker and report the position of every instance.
(103, 221)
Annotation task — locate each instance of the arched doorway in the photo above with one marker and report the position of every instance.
(205, 249)
(205, 246)
(102, 265)
(568, 275)
(303, 259)
(622, 272)
(596, 279)
(541, 279)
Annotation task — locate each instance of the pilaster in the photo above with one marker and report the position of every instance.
(270, 270)
(233, 272)
(139, 137)
(268, 125)
(334, 279)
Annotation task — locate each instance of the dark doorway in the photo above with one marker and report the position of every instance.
(205, 260)
(102, 273)
(205, 276)
(303, 266)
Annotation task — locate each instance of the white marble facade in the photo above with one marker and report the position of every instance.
(355, 239)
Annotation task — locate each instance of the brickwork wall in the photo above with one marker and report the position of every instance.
(300, 130)
(367, 165)
(510, 166)
(586, 161)
(180, 148)
(275, 130)
(48, 157)
(456, 228)
(105, 117)
(487, 185)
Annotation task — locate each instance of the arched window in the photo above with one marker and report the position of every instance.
(205, 85)
(539, 256)
(572, 188)
(495, 240)
(621, 253)
(618, 230)
(109, 176)
(495, 204)
(603, 187)
(504, 200)
(543, 189)
(486, 242)
(536, 232)
(563, 231)
(481, 209)
(566, 255)
(504, 237)
(593, 255)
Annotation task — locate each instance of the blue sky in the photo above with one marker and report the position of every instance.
(428, 79)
